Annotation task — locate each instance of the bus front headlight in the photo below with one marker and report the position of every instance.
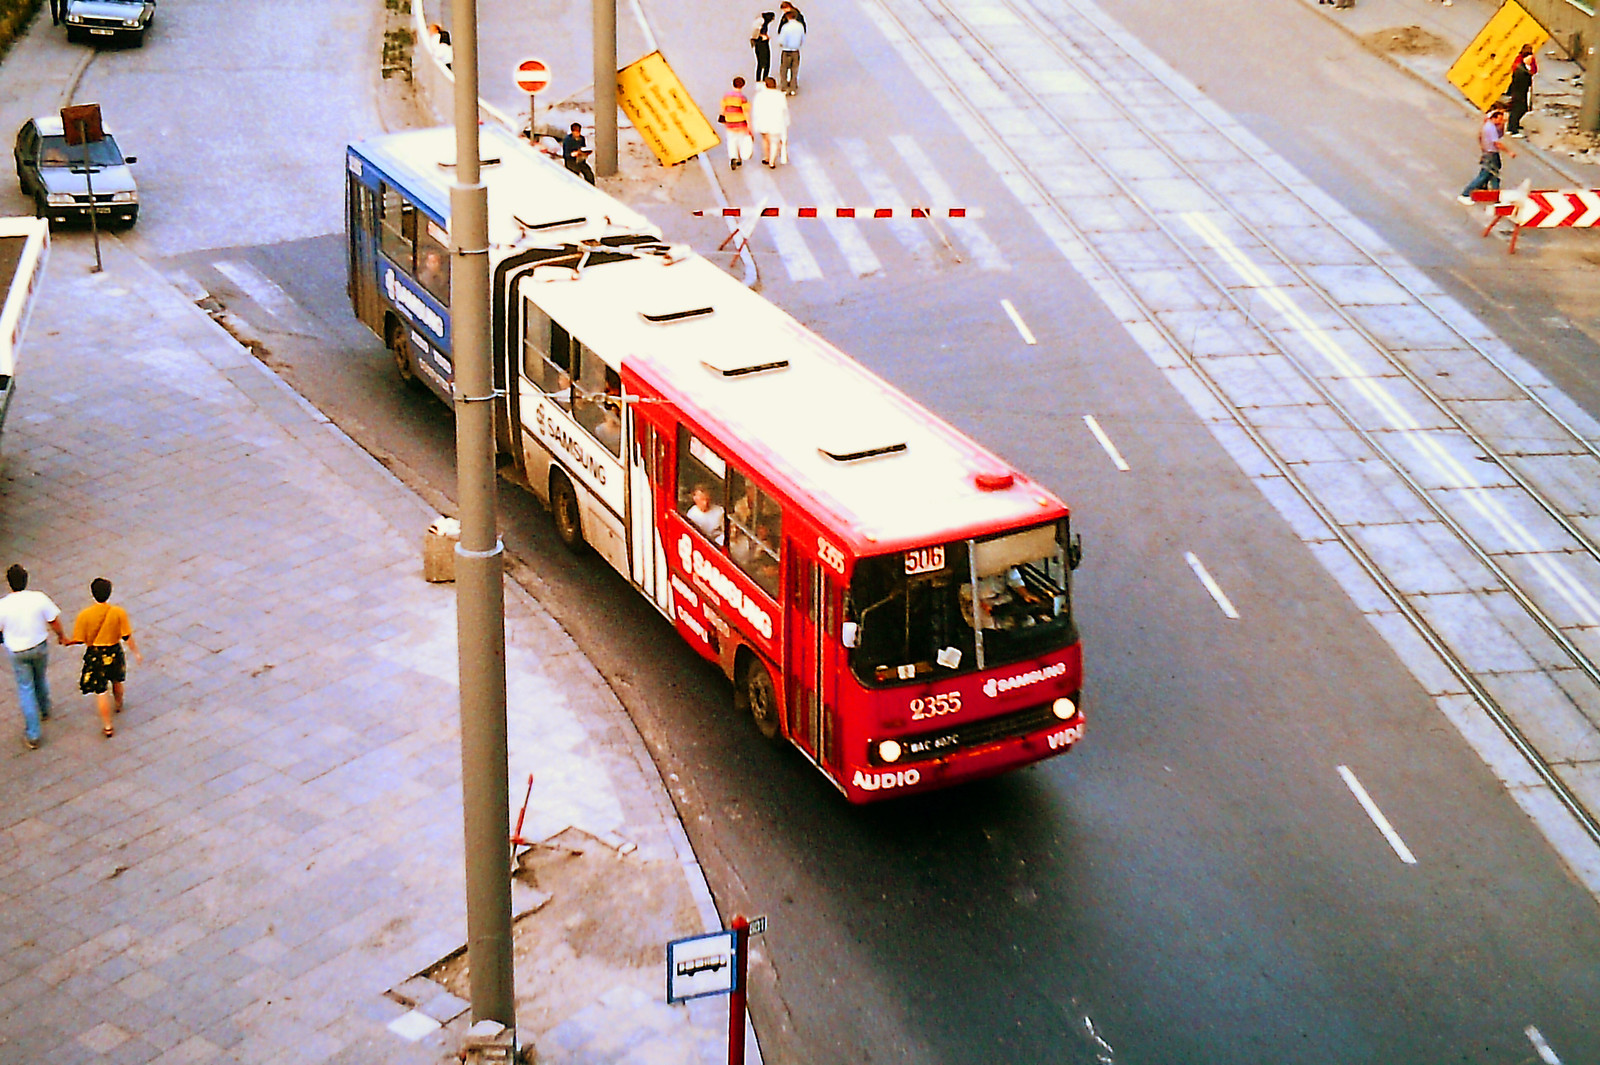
(1064, 708)
(889, 751)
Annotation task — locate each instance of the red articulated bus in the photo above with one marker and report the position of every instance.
(883, 593)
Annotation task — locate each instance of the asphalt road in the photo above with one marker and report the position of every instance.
(1195, 883)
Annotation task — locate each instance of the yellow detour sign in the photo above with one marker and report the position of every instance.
(660, 108)
(1483, 71)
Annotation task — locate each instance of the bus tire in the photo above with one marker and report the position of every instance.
(566, 512)
(402, 357)
(760, 697)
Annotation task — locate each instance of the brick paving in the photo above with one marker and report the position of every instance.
(272, 840)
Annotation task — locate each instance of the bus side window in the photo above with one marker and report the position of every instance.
(433, 260)
(546, 354)
(755, 528)
(399, 230)
(702, 487)
(597, 401)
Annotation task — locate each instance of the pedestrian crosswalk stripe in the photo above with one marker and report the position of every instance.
(846, 234)
(984, 252)
(913, 236)
(797, 258)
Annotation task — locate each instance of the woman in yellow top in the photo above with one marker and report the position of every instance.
(103, 627)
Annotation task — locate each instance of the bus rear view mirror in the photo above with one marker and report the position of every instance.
(1075, 551)
(850, 634)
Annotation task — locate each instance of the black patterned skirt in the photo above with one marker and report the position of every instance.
(102, 666)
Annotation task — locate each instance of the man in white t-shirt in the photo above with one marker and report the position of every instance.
(26, 621)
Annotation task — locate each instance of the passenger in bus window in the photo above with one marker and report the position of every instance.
(609, 429)
(706, 515)
(433, 275)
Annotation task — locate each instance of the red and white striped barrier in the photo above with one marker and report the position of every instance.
(843, 212)
(1541, 209)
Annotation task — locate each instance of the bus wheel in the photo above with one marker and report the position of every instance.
(564, 509)
(402, 357)
(760, 697)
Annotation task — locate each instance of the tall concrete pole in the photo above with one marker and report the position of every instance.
(1589, 108)
(605, 87)
(480, 603)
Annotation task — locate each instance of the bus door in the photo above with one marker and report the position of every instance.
(361, 215)
(647, 557)
(813, 608)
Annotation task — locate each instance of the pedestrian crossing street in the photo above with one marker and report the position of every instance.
(846, 170)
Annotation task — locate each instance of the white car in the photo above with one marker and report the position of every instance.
(122, 21)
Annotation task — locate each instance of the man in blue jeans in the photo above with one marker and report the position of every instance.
(26, 621)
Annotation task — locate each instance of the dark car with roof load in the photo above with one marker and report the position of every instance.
(58, 176)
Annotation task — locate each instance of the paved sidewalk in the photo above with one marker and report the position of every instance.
(1424, 37)
(271, 844)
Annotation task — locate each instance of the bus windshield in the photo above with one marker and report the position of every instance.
(917, 615)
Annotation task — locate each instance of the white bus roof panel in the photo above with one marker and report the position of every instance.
(900, 474)
(529, 195)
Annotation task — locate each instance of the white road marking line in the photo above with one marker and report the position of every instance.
(1376, 814)
(792, 247)
(1105, 442)
(1450, 471)
(1540, 1047)
(1016, 320)
(258, 287)
(1211, 585)
(983, 250)
(846, 234)
(912, 235)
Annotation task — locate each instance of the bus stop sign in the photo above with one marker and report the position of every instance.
(701, 965)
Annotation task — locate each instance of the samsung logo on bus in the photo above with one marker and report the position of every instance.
(995, 685)
(411, 303)
(722, 585)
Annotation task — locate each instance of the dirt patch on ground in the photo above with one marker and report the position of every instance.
(605, 926)
(1406, 40)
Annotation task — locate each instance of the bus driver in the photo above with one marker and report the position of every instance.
(706, 515)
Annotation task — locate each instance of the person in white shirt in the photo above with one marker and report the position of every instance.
(26, 621)
(706, 515)
(769, 117)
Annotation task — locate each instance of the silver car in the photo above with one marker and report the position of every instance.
(123, 21)
(54, 174)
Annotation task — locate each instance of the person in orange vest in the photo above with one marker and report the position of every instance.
(735, 117)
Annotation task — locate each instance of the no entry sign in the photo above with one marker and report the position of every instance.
(532, 75)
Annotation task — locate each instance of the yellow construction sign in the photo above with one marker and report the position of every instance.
(661, 109)
(1483, 71)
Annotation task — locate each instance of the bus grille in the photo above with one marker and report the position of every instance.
(924, 745)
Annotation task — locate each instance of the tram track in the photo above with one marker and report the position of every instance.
(1548, 563)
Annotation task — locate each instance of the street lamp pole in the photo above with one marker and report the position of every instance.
(1589, 107)
(605, 87)
(480, 602)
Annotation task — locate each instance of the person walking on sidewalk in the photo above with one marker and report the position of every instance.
(761, 44)
(1523, 68)
(575, 152)
(735, 118)
(769, 116)
(56, 11)
(791, 35)
(26, 621)
(1491, 142)
(102, 628)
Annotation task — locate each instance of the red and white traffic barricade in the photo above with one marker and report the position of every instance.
(1540, 209)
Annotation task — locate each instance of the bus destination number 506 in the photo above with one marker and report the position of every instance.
(930, 706)
(925, 560)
